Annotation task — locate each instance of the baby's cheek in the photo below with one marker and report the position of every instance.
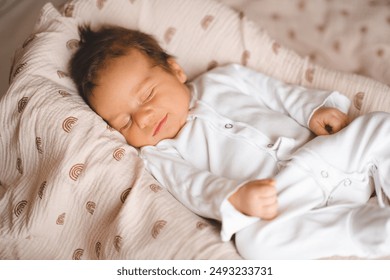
(138, 139)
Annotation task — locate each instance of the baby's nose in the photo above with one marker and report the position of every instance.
(144, 117)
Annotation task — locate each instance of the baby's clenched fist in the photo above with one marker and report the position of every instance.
(257, 198)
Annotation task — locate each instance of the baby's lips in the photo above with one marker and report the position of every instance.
(160, 125)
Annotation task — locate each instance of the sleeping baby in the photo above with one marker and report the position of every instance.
(239, 147)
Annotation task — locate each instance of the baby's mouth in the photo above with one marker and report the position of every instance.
(160, 125)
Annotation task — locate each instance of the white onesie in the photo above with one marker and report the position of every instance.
(242, 126)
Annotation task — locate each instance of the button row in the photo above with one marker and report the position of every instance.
(325, 174)
(229, 126)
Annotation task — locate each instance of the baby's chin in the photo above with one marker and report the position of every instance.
(169, 133)
(151, 142)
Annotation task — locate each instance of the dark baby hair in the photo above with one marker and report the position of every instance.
(97, 48)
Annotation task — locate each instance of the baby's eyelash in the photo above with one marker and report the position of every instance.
(126, 125)
(149, 96)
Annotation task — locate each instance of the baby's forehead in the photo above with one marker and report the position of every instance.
(131, 60)
(125, 77)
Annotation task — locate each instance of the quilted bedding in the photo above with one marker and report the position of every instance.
(70, 186)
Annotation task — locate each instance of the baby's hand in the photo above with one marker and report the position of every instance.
(257, 198)
(328, 121)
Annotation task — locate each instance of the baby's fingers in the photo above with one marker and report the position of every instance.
(327, 121)
(266, 192)
(336, 123)
(267, 201)
(269, 211)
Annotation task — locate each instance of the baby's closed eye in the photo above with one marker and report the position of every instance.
(127, 124)
(148, 96)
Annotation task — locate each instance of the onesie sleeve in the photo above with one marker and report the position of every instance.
(296, 101)
(199, 190)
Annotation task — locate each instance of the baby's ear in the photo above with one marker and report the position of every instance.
(177, 70)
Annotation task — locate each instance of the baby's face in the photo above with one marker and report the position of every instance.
(145, 103)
